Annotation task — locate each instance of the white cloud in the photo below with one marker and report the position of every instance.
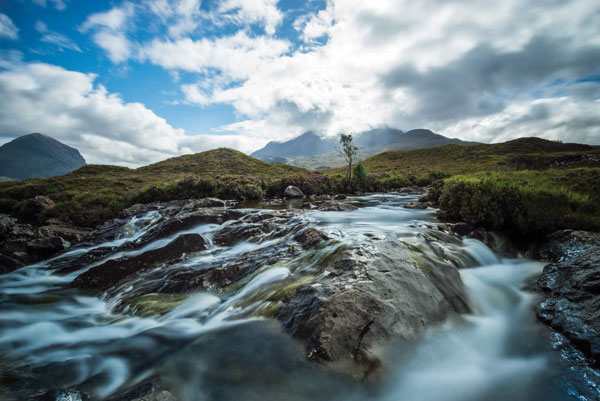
(247, 12)
(68, 106)
(7, 28)
(116, 45)
(407, 64)
(55, 38)
(237, 56)
(314, 26)
(181, 16)
(110, 31)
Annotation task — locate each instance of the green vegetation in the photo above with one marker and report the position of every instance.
(360, 177)
(527, 203)
(96, 193)
(530, 185)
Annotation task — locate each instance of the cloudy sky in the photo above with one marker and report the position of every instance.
(134, 82)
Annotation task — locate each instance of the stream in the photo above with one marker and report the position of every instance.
(215, 345)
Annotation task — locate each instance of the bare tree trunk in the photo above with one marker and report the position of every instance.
(349, 175)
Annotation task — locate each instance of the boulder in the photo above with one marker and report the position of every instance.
(415, 205)
(44, 247)
(32, 207)
(310, 237)
(113, 271)
(257, 227)
(367, 296)
(8, 264)
(26, 244)
(339, 197)
(7, 224)
(571, 289)
(292, 192)
(185, 221)
(462, 229)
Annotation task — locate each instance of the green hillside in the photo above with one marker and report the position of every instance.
(94, 193)
(511, 185)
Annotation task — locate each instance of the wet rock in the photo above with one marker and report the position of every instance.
(334, 206)
(257, 227)
(42, 248)
(185, 221)
(293, 192)
(415, 205)
(64, 395)
(26, 244)
(412, 191)
(154, 389)
(8, 264)
(6, 225)
(571, 288)
(71, 234)
(111, 272)
(219, 275)
(32, 207)
(367, 295)
(340, 197)
(172, 207)
(463, 229)
(310, 237)
(565, 244)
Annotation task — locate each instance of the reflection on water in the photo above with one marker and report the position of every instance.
(210, 348)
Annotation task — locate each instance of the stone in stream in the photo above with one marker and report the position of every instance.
(185, 221)
(366, 296)
(113, 271)
(292, 192)
(415, 205)
(571, 288)
(334, 206)
(258, 227)
(310, 237)
(23, 244)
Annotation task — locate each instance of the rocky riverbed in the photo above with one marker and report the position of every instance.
(294, 300)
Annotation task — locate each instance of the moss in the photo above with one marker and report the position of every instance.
(267, 310)
(426, 268)
(290, 286)
(155, 304)
(328, 256)
(412, 247)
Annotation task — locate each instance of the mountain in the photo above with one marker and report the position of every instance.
(217, 162)
(423, 139)
(307, 144)
(37, 156)
(311, 151)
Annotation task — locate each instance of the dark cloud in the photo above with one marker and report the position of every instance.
(484, 80)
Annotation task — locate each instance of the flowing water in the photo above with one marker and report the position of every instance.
(212, 346)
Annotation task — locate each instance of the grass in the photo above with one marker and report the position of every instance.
(528, 203)
(94, 193)
(529, 185)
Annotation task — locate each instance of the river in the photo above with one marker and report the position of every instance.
(212, 346)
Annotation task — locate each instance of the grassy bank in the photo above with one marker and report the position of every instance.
(528, 203)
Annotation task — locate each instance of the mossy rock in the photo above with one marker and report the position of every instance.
(155, 304)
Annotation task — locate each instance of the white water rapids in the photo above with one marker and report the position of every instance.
(53, 336)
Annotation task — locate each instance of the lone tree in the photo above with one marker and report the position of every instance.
(348, 150)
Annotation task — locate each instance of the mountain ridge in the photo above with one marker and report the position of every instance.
(309, 150)
(37, 156)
